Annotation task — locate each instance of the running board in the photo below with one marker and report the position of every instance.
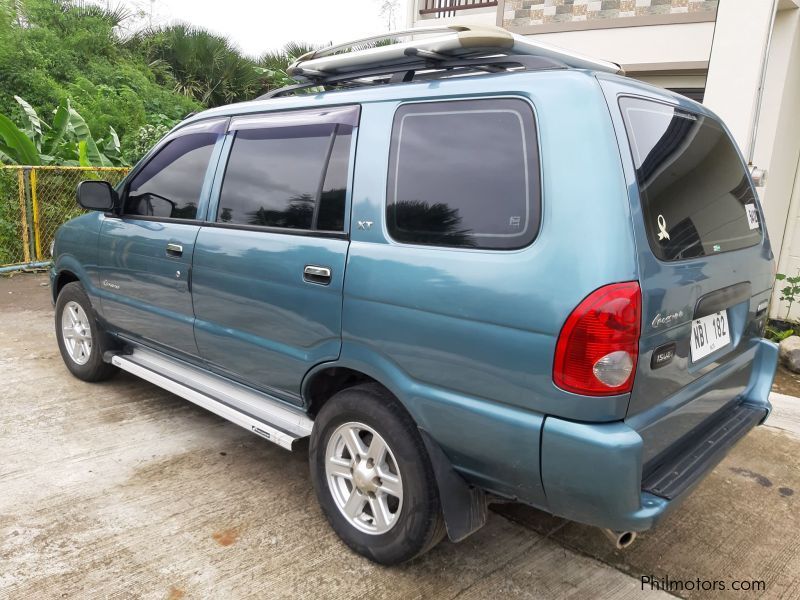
(261, 414)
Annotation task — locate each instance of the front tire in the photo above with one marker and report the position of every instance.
(373, 478)
(81, 340)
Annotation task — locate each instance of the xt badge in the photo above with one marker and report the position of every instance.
(365, 225)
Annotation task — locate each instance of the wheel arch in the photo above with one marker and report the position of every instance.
(62, 278)
(365, 365)
(463, 505)
(68, 269)
(327, 379)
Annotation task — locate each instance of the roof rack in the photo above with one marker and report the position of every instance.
(433, 52)
(392, 35)
(422, 70)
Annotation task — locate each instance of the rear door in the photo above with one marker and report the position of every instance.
(705, 266)
(269, 264)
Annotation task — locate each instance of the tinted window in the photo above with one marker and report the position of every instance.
(334, 188)
(697, 198)
(169, 185)
(464, 174)
(292, 177)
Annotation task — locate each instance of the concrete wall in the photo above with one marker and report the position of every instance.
(735, 64)
(734, 77)
(778, 146)
(666, 80)
(642, 48)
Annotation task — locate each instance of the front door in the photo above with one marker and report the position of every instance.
(268, 267)
(146, 253)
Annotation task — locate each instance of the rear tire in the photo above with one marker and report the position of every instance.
(81, 340)
(373, 478)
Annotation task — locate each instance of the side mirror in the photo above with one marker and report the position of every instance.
(96, 195)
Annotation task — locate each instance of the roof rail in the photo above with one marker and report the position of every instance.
(448, 42)
(426, 67)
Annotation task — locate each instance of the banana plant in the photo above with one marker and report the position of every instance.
(15, 146)
(68, 141)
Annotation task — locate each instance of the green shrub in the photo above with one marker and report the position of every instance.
(11, 250)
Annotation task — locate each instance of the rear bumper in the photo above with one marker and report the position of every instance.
(593, 473)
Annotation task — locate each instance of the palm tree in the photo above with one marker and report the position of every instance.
(205, 66)
(276, 62)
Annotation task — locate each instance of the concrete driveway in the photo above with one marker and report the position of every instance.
(122, 490)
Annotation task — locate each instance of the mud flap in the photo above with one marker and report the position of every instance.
(464, 506)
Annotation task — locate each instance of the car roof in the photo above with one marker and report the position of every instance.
(472, 85)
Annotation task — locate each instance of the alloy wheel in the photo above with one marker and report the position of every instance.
(76, 332)
(363, 478)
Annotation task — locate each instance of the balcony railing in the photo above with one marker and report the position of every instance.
(449, 8)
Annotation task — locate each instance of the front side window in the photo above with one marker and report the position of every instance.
(696, 195)
(169, 186)
(464, 174)
(289, 176)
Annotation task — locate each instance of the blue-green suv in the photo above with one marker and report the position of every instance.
(543, 283)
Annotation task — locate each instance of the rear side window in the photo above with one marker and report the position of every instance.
(169, 185)
(697, 198)
(464, 174)
(288, 176)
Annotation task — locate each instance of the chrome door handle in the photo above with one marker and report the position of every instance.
(316, 274)
(174, 250)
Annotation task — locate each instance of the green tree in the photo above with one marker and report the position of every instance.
(203, 66)
(51, 50)
(276, 62)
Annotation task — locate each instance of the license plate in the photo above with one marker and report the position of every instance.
(709, 334)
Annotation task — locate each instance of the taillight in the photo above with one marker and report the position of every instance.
(598, 346)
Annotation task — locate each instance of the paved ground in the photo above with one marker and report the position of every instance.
(121, 489)
(786, 382)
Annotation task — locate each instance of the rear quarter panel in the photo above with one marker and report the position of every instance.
(466, 337)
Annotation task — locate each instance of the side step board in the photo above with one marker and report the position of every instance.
(263, 415)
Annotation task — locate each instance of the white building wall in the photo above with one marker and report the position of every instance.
(642, 48)
(737, 54)
(734, 77)
(781, 125)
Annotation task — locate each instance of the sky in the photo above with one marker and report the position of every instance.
(257, 26)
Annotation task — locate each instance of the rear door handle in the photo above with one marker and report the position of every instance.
(174, 250)
(317, 274)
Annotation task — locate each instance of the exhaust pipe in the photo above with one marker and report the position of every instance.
(620, 539)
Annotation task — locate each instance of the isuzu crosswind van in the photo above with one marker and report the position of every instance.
(467, 266)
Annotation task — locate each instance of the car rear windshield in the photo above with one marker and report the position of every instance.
(697, 198)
